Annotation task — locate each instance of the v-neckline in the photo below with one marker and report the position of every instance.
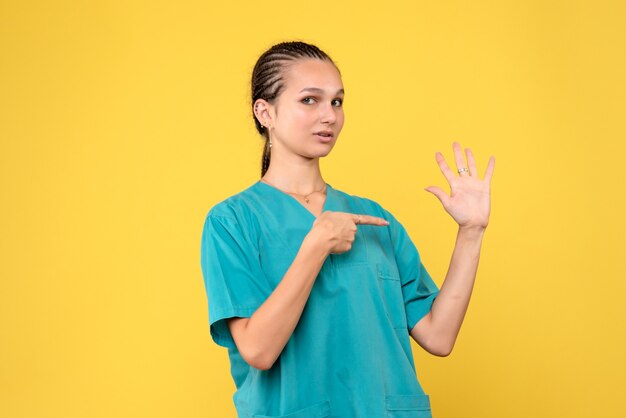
(297, 202)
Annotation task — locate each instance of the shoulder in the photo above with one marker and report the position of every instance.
(234, 207)
(236, 214)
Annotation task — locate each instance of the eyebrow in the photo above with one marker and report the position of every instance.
(318, 90)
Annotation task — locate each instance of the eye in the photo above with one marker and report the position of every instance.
(338, 102)
(307, 100)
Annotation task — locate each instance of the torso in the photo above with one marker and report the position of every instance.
(352, 337)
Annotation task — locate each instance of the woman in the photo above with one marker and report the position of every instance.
(316, 292)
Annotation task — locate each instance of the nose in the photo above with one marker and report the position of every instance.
(328, 113)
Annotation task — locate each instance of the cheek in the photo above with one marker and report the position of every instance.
(304, 113)
(300, 117)
(340, 118)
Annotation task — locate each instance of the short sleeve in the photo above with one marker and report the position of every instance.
(418, 288)
(233, 280)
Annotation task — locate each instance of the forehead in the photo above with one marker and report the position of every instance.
(316, 73)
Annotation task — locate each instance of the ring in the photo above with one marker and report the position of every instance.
(462, 169)
(358, 219)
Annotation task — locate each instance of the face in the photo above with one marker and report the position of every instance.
(307, 117)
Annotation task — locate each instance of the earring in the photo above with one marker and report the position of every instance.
(270, 143)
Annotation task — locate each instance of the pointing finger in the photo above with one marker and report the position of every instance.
(361, 219)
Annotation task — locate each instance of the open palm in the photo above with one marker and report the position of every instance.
(469, 201)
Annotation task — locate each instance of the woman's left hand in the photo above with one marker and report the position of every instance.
(469, 200)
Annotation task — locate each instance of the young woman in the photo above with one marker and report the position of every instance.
(315, 292)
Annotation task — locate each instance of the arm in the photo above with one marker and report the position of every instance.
(469, 205)
(438, 330)
(263, 336)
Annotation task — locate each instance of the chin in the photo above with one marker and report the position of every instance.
(326, 151)
(316, 153)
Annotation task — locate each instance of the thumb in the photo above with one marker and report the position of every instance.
(440, 194)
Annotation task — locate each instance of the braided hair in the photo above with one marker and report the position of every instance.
(267, 80)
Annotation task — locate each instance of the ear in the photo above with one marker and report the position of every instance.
(262, 111)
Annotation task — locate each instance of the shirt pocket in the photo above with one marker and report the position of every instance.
(318, 410)
(390, 286)
(408, 406)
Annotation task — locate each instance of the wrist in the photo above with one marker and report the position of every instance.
(472, 231)
(316, 243)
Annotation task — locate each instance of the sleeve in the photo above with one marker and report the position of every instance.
(233, 279)
(418, 288)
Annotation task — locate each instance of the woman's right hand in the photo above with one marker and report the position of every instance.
(336, 230)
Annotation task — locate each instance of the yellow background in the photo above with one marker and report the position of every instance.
(122, 123)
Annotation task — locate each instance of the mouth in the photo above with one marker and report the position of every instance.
(324, 134)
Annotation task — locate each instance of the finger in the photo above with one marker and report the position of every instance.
(440, 194)
(443, 166)
(471, 163)
(361, 219)
(459, 159)
(489, 170)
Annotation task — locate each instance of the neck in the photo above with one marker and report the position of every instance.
(296, 177)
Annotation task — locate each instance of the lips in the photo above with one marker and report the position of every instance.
(327, 134)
